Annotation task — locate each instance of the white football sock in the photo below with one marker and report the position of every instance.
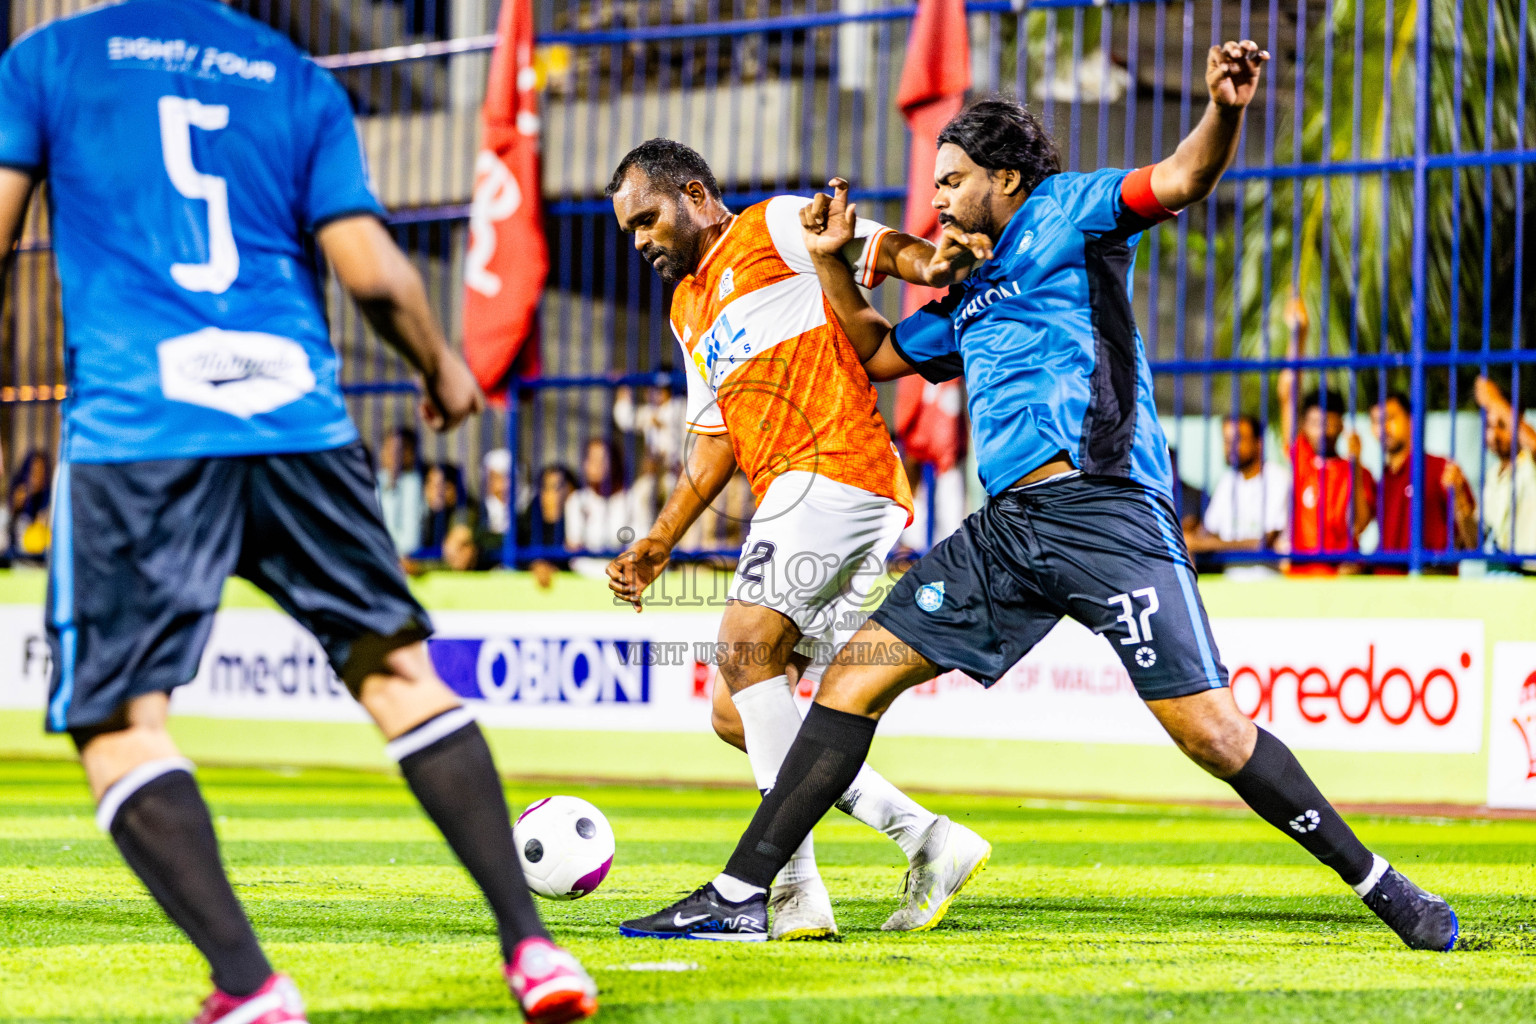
(769, 722)
(884, 808)
(734, 890)
(1379, 867)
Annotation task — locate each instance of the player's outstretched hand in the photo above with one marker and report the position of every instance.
(452, 395)
(637, 568)
(955, 255)
(1232, 72)
(829, 221)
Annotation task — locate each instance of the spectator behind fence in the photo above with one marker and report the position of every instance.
(542, 524)
(1189, 501)
(604, 515)
(31, 490)
(476, 538)
(400, 488)
(1444, 483)
(443, 497)
(660, 422)
(1509, 493)
(1250, 505)
(1333, 499)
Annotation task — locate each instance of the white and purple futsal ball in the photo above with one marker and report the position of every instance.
(566, 846)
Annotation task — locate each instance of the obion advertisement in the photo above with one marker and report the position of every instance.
(1359, 684)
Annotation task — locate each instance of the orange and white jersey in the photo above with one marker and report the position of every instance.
(769, 364)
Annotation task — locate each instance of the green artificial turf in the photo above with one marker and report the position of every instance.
(1088, 912)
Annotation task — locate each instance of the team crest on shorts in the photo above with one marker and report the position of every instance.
(930, 596)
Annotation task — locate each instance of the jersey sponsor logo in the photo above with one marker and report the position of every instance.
(184, 57)
(1025, 242)
(981, 300)
(761, 319)
(243, 373)
(727, 283)
(930, 597)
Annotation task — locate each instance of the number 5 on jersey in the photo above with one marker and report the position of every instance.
(178, 116)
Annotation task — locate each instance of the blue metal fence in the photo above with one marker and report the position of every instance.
(1382, 178)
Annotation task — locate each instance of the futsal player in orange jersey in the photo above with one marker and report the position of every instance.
(776, 388)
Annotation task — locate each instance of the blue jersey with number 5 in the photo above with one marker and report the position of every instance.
(189, 153)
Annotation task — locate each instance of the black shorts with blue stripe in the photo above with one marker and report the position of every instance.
(141, 551)
(1104, 550)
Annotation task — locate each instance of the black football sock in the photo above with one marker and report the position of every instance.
(821, 764)
(448, 765)
(159, 821)
(1276, 786)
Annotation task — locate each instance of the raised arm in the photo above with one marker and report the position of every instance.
(1189, 175)
(907, 257)
(828, 231)
(711, 463)
(371, 267)
(1296, 324)
(1491, 398)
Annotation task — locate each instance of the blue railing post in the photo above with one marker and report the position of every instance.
(1420, 283)
(509, 542)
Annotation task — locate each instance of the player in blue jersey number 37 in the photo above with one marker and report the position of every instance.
(1079, 520)
(191, 155)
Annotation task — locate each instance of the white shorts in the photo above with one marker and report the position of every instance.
(815, 549)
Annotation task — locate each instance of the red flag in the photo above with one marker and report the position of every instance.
(933, 83)
(930, 421)
(508, 260)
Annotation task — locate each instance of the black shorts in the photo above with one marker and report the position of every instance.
(141, 551)
(1104, 550)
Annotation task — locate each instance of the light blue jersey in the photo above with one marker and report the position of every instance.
(190, 154)
(1052, 359)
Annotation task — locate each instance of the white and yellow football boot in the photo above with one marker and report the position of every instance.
(936, 878)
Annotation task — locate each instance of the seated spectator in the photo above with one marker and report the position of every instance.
(604, 515)
(1250, 504)
(660, 422)
(31, 492)
(1333, 499)
(475, 542)
(400, 488)
(542, 525)
(1509, 493)
(443, 498)
(1444, 484)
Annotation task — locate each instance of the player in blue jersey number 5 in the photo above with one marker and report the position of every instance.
(1079, 521)
(191, 157)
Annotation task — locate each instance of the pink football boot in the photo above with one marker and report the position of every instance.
(549, 984)
(276, 1002)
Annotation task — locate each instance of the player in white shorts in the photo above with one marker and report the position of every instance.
(776, 388)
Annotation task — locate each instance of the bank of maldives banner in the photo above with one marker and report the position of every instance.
(1413, 685)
